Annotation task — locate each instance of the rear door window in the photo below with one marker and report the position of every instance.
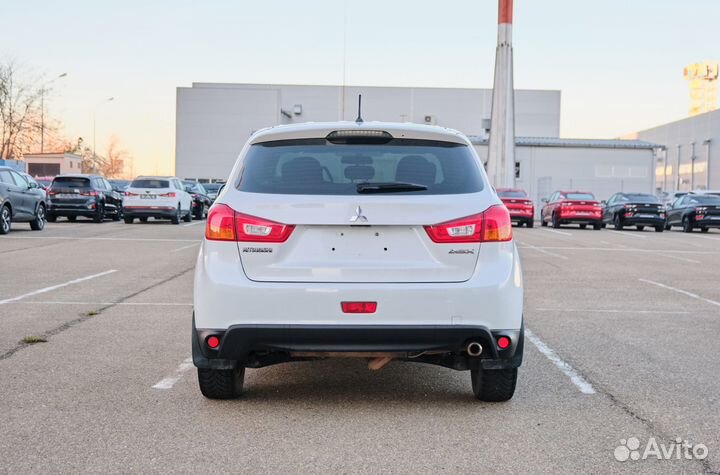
(318, 167)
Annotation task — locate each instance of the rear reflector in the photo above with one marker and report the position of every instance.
(213, 342)
(226, 224)
(492, 225)
(358, 307)
(503, 342)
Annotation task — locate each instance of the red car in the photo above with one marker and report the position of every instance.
(571, 207)
(522, 210)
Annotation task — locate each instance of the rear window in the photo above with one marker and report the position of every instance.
(318, 167)
(150, 183)
(579, 196)
(212, 186)
(704, 200)
(639, 197)
(70, 182)
(512, 194)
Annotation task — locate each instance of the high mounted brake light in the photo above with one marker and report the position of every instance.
(492, 225)
(359, 136)
(226, 224)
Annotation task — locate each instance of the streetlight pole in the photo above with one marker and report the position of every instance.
(707, 142)
(42, 110)
(94, 161)
(692, 166)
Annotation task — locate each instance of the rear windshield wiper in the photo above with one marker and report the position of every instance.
(389, 187)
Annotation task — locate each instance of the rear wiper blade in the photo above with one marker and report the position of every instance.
(389, 187)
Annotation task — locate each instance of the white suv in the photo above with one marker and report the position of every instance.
(376, 240)
(162, 197)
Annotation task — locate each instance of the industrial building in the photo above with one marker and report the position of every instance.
(690, 154)
(214, 121)
(51, 164)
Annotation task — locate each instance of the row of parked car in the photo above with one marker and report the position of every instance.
(687, 210)
(23, 199)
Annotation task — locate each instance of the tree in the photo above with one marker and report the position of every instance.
(19, 110)
(114, 162)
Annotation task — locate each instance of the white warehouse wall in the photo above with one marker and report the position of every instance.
(214, 119)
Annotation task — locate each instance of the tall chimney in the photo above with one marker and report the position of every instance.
(501, 146)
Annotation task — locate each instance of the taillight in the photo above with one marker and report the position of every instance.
(52, 193)
(129, 193)
(358, 307)
(566, 203)
(169, 194)
(492, 225)
(89, 193)
(226, 224)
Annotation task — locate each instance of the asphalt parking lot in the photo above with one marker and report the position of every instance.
(623, 343)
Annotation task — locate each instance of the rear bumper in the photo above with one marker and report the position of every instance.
(149, 211)
(707, 223)
(263, 345)
(88, 208)
(580, 219)
(647, 221)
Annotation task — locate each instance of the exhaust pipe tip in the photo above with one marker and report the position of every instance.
(474, 348)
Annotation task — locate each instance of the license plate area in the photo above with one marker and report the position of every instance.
(148, 197)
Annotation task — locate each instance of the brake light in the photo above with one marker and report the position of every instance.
(52, 193)
(89, 193)
(226, 224)
(358, 307)
(566, 203)
(492, 225)
(169, 194)
(129, 193)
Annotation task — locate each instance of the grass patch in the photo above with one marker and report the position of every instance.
(32, 339)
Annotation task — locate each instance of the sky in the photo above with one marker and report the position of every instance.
(618, 63)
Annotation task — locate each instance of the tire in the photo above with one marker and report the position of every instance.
(598, 226)
(176, 219)
(583, 226)
(640, 228)
(667, 227)
(704, 229)
(659, 228)
(118, 215)
(493, 385)
(51, 218)
(200, 212)
(617, 221)
(72, 219)
(221, 383)
(687, 226)
(143, 220)
(38, 224)
(99, 214)
(543, 223)
(602, 225)
(555, 221)
(5, 220)
(530, 224)
(188, 217)
(128, 219)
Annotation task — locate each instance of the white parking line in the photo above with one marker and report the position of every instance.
(193, 223)
(543, 251)
(680, 291)
(140, 304)
(581, 383)
(185, 247)
(595, 310)
(628, 234)
(169, 382)
(54, 287)
(556, 232)
(627, 249)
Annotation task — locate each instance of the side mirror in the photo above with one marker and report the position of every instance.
(603, 202)
(544, 200)
(32, 185)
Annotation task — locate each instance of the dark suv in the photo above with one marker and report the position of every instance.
(20, 201)
(83, 195)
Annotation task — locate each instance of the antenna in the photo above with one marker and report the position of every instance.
(359, 119)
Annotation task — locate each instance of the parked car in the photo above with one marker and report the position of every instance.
(20, 202)
(119, 185)
(669, 198)
(521, 208)
(707, 192)
(634, 209)
(571, 207)
(694, 212)
(201, 200)
(375, 240)
(44, 181)
(213, 189)
(159, 197)
(90, 196)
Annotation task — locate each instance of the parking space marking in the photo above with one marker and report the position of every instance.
(169, 382)
(595, 310)
(581, 383)
(192, 224)
(58, 286)
(185, 247)
(628, 234)
(627, 249)
(72, 238)
(680, 291)
(556, 232)
(140, 304)
(543, 251)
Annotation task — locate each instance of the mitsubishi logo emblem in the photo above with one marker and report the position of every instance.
(358, 217)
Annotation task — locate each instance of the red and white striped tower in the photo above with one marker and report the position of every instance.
(501, 146)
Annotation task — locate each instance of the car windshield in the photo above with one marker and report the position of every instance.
(318, 167)
(512, 194)
(579, 196)
(150, 183)
(70, 182)
(704, 200)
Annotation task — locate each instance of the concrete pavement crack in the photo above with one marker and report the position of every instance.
(94, 313)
